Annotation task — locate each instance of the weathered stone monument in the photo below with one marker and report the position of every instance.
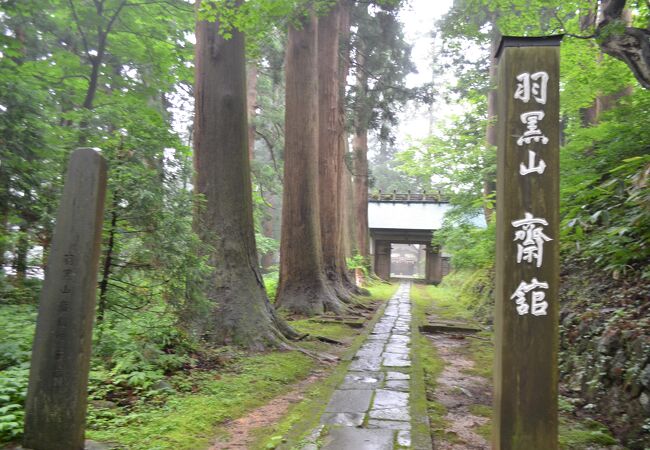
(527, 267)
(57, 394)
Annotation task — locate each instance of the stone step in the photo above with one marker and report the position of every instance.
(441, 327)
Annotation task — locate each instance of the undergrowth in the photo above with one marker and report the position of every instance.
(189, 419)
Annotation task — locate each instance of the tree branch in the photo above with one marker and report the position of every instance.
(628, 44)
(77, 22)
(270, 146)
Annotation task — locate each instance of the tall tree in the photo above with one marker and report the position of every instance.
(241, 313)
(381, 61)
(348, 233)
(302, 288)
(331, 153)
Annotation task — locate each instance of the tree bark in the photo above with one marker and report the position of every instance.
(302, 288)
(241, 313)
(22, 250)
(347, 238)
(107, 267)
(360, 152)
(630, 45)
(330, 131)
(251, 96)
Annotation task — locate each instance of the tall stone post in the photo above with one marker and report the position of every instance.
(56, 398)
(527, 267)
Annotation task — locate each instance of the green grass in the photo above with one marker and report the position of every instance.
(190, 421)
(432, 364)
(580, 435)
(336, 331)
(381, 290)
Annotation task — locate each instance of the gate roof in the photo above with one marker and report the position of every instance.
(403, 215)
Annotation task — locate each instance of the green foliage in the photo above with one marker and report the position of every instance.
(13, 390)
(455, 159)
(606, 217)
(17, 323)
(136, 353)
(382, 61)
(24, 293)
(471, 247)
(358, 261)
(467, 294)
(254, 18)
(271, 280)
(583, 435)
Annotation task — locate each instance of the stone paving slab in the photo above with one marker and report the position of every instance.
(397, 376)
(362, 380)
(389, 424)
(385, 398)
(400, 414)
(347, 419)
(345, 438)
(397, 385)
(350, 401)
(370, 364)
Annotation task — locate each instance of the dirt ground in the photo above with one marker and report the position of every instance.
(458, 391)
(240, 432)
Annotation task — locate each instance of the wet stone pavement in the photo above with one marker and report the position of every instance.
(371, 407)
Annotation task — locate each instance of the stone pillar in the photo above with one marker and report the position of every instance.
(433, 266)
(382, 259)
(527, 258)
(56, 399)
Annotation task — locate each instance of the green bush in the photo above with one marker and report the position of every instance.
(470, 247)
(17, 323)
(271, 281)
(13, 390)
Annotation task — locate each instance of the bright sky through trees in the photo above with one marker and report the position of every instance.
(419, 17)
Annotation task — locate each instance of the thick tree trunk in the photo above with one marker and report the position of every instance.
(360, 156)
(331, 154)
(302, 287)
(251, 96)
(347, 237)
(241, 312)
(360, 152)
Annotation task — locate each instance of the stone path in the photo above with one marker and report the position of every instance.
(371, 407)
